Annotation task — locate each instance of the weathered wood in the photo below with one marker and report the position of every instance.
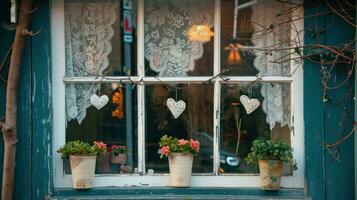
(315, 167)
(339, 161)
(10, 126)
(41, 90)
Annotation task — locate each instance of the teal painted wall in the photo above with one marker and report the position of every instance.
(33, 172)
(334, 114)
(326, 178)
(329, 171)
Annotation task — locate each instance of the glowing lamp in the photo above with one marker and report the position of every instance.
(200, 33)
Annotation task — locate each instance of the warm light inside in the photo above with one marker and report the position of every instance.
(233, 56)
(200, 33)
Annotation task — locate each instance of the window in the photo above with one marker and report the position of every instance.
(140, 53)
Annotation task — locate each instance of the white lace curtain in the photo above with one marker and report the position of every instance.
(265, 14)
(88, 26)
(88, 32)
(167, 46)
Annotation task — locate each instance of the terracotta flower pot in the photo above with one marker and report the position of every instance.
(270, 173)
(119, 159)
(103, 163)
(180, 169)
(83, 168)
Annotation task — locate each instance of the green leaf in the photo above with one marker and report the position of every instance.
(267, 149)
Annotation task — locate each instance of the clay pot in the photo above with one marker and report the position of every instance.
(83, 168)
(119, 159)
(270, 173)
(180, 169)
(103, 163)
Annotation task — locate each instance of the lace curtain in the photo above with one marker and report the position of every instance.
(167, 47)
(276, 103)
(88, 31)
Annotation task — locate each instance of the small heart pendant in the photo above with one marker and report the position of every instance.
(99, 102)
(249, 104)
(176, 108)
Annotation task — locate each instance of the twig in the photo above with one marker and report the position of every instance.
(31, 33)
(343, 139)
(339, 14)
(5, 58)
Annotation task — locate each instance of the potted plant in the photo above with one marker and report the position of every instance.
(82, 157)
(103, 160)
(180, 154)
(118, 154)
(270, 154)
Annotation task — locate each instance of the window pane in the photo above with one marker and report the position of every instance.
(114, 124)
(239, 129)
(251, 26)
(195, 122)
(95, 41)
(179, 37)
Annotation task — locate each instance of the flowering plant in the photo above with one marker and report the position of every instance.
(117, 149)
(81, 148)
(170, 144)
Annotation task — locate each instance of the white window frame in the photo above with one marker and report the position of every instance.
(62, 180)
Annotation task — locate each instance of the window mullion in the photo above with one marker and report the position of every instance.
(217, 87)
(216, 126)
(141, 89)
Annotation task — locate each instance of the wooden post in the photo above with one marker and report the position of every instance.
(10, 126)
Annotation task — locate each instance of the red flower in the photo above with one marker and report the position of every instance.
(112, 147)
(182, 142)
(195, 145)
(165, 150)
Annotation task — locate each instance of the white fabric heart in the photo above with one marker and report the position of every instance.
(176, 108)
(249, 104)
(99, 102)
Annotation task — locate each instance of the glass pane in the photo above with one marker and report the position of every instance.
(196, 122)
(95, 41)
(114, 124)
(238, 128)
(249, 28)
(179, 37)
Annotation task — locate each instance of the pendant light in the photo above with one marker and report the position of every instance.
(200, 33)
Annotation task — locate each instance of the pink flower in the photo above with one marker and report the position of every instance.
(182, 142)
(195, 145)
(165, 150)
(100, 145)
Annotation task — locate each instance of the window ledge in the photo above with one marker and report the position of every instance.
(178, 193)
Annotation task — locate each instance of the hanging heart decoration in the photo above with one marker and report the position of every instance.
(249, 104)
(99, 102)
(176, 108)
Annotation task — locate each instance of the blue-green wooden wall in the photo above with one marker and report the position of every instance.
(328, 175)
(33, 158)
(325, 178)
